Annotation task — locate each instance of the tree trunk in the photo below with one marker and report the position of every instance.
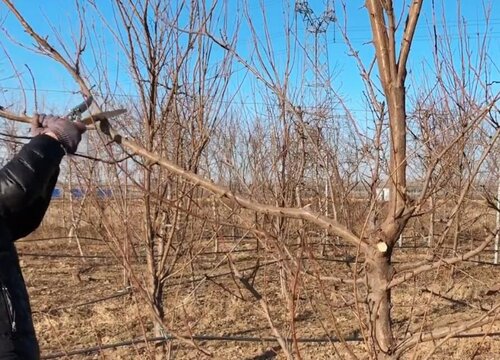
(160, 347)
(378, 262)
(430, 238)
(378, 266)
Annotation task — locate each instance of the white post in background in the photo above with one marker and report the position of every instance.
(325, 209)
(430, 236)
(497, 237)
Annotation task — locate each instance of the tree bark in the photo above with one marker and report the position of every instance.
(379, 268)
(392, 73)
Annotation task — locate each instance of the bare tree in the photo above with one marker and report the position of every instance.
(284, 174)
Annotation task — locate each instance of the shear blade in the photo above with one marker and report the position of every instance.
(90, 120)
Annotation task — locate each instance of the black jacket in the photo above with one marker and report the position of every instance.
(26, 185)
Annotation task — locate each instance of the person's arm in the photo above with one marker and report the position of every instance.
(27, 182)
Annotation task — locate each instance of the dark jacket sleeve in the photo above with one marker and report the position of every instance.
(26, 184)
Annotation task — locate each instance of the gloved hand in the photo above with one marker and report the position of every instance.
(69, 133)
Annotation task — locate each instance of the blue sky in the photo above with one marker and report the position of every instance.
(56, 88)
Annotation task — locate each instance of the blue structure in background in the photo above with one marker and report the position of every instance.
(104, 193)
(57, 193)
(77, 193)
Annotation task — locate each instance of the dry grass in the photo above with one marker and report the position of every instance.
(60, 283)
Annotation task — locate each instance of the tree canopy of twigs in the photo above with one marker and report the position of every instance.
(190, 166)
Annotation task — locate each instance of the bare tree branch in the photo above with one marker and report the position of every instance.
(398, 280)
(447, 332)
(410, 26)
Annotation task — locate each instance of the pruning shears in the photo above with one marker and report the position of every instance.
(76, 113)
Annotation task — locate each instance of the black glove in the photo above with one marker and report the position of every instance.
(69, 133)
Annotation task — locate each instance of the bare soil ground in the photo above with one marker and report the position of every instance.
(82, 302)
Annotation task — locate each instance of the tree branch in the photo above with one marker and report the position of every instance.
(411, 24)
(49, 50)
(381, 41)
(265, 309)
(11, 116)
(449, 261)
(295, 213)
(447, 332)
